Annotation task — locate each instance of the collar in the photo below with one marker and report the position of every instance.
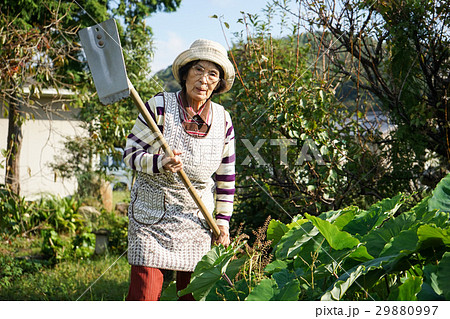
(188, 112)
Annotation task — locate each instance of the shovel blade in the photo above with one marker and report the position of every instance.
(103, 51)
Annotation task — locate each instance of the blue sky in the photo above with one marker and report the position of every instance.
(174, 32)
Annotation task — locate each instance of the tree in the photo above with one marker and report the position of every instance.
(294, 138)
(40, 49)
(34, 46)
(399, 52)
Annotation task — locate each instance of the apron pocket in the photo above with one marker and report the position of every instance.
(148, 206)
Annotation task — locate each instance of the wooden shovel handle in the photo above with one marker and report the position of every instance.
(187, 183)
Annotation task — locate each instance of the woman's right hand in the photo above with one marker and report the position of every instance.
(172, 164)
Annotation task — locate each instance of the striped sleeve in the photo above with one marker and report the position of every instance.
(142, 152)
(225, 178)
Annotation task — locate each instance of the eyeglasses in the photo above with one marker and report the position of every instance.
(212, 76)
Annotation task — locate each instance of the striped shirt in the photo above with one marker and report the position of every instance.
(142, 153)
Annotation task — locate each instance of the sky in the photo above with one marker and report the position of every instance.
(174, 32)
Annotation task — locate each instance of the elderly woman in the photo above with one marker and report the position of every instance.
(166, 229)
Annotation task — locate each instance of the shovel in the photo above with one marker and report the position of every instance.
(103, 51)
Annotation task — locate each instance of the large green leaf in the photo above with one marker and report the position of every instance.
(360, 254)
(432, 235)
(346, 280)
(275, 266)
(221, 288)
(287, 289)
(377, 239)
(289, 292)
(277, 229)
(405, 242)
(291, 243)
(408, 290)
(202, 284)
(430, 287)
(265, 291)
(170, 293)
(346, 216)
(441, 196)
(333, 215)
(364, 221)
(234, 267)
(283, 277)
(428, 294)
(336, 238)
(209, 270)
(430, 273)
(421, 209)
(443, 275)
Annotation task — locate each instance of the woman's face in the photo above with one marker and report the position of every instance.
(202, 78)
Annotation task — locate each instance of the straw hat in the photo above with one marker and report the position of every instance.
(209, 51)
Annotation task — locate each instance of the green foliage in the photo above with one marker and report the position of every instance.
(65, 234)
(54, 247)
(19, 216)
(441, 196)
(285, 108)
(83, 245)
(394, 256)
(117, 227)
(11, 268)
(57, 247)
(140, 9)
(398, 53)
(40, 49)
(78, 161)
(416, 30)
(210, 269)
(71, 280)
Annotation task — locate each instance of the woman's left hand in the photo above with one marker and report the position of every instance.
(224, 237)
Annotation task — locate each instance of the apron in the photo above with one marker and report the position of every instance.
(166, 229)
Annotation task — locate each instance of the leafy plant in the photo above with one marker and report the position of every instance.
(118, 231)
(348, 254)
(19, 216)
(11, 268)
(54, 247)
(83, 245)
(14, 211)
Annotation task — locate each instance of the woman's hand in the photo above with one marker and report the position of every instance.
(172, 164)
(224, 237)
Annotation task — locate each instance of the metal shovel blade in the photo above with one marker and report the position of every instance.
(103, 51)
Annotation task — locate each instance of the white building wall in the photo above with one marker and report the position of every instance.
(42, 141)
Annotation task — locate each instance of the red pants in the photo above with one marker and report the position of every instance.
(146, 283)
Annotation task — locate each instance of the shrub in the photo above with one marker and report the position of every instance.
(118, 231)
(349, 254)
(19, 216)
(11, 268)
